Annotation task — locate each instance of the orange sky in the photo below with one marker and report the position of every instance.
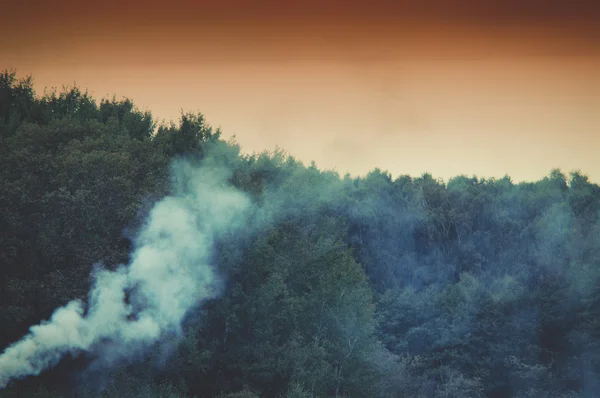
(474, 87)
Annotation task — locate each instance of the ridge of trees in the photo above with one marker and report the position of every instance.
(360, 287)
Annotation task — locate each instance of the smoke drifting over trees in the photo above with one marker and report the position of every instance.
(168, 275)
(138, 261)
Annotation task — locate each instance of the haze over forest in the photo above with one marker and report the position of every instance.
(283, 199)
(145, 259)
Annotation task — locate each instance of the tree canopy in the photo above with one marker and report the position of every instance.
(339, 287)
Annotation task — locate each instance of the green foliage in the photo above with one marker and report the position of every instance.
(340, 287)
(296, 390)
(240, 394)
(300, 310)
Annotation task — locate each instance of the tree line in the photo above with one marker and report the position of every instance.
(353, 286)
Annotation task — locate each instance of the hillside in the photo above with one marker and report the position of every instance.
(218, 274)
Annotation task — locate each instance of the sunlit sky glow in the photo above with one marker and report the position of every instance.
(463, 88)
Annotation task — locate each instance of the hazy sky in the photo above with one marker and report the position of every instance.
(449, 87)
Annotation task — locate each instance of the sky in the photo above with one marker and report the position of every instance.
(482, 88)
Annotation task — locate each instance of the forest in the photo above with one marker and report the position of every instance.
(159, 260)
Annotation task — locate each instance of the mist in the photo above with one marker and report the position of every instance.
(259, 276)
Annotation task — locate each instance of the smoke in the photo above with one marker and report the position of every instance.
(135, 305)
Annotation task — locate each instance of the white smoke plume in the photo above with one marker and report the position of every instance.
(169, 274)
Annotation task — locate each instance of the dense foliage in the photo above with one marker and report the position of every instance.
(355, 287)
